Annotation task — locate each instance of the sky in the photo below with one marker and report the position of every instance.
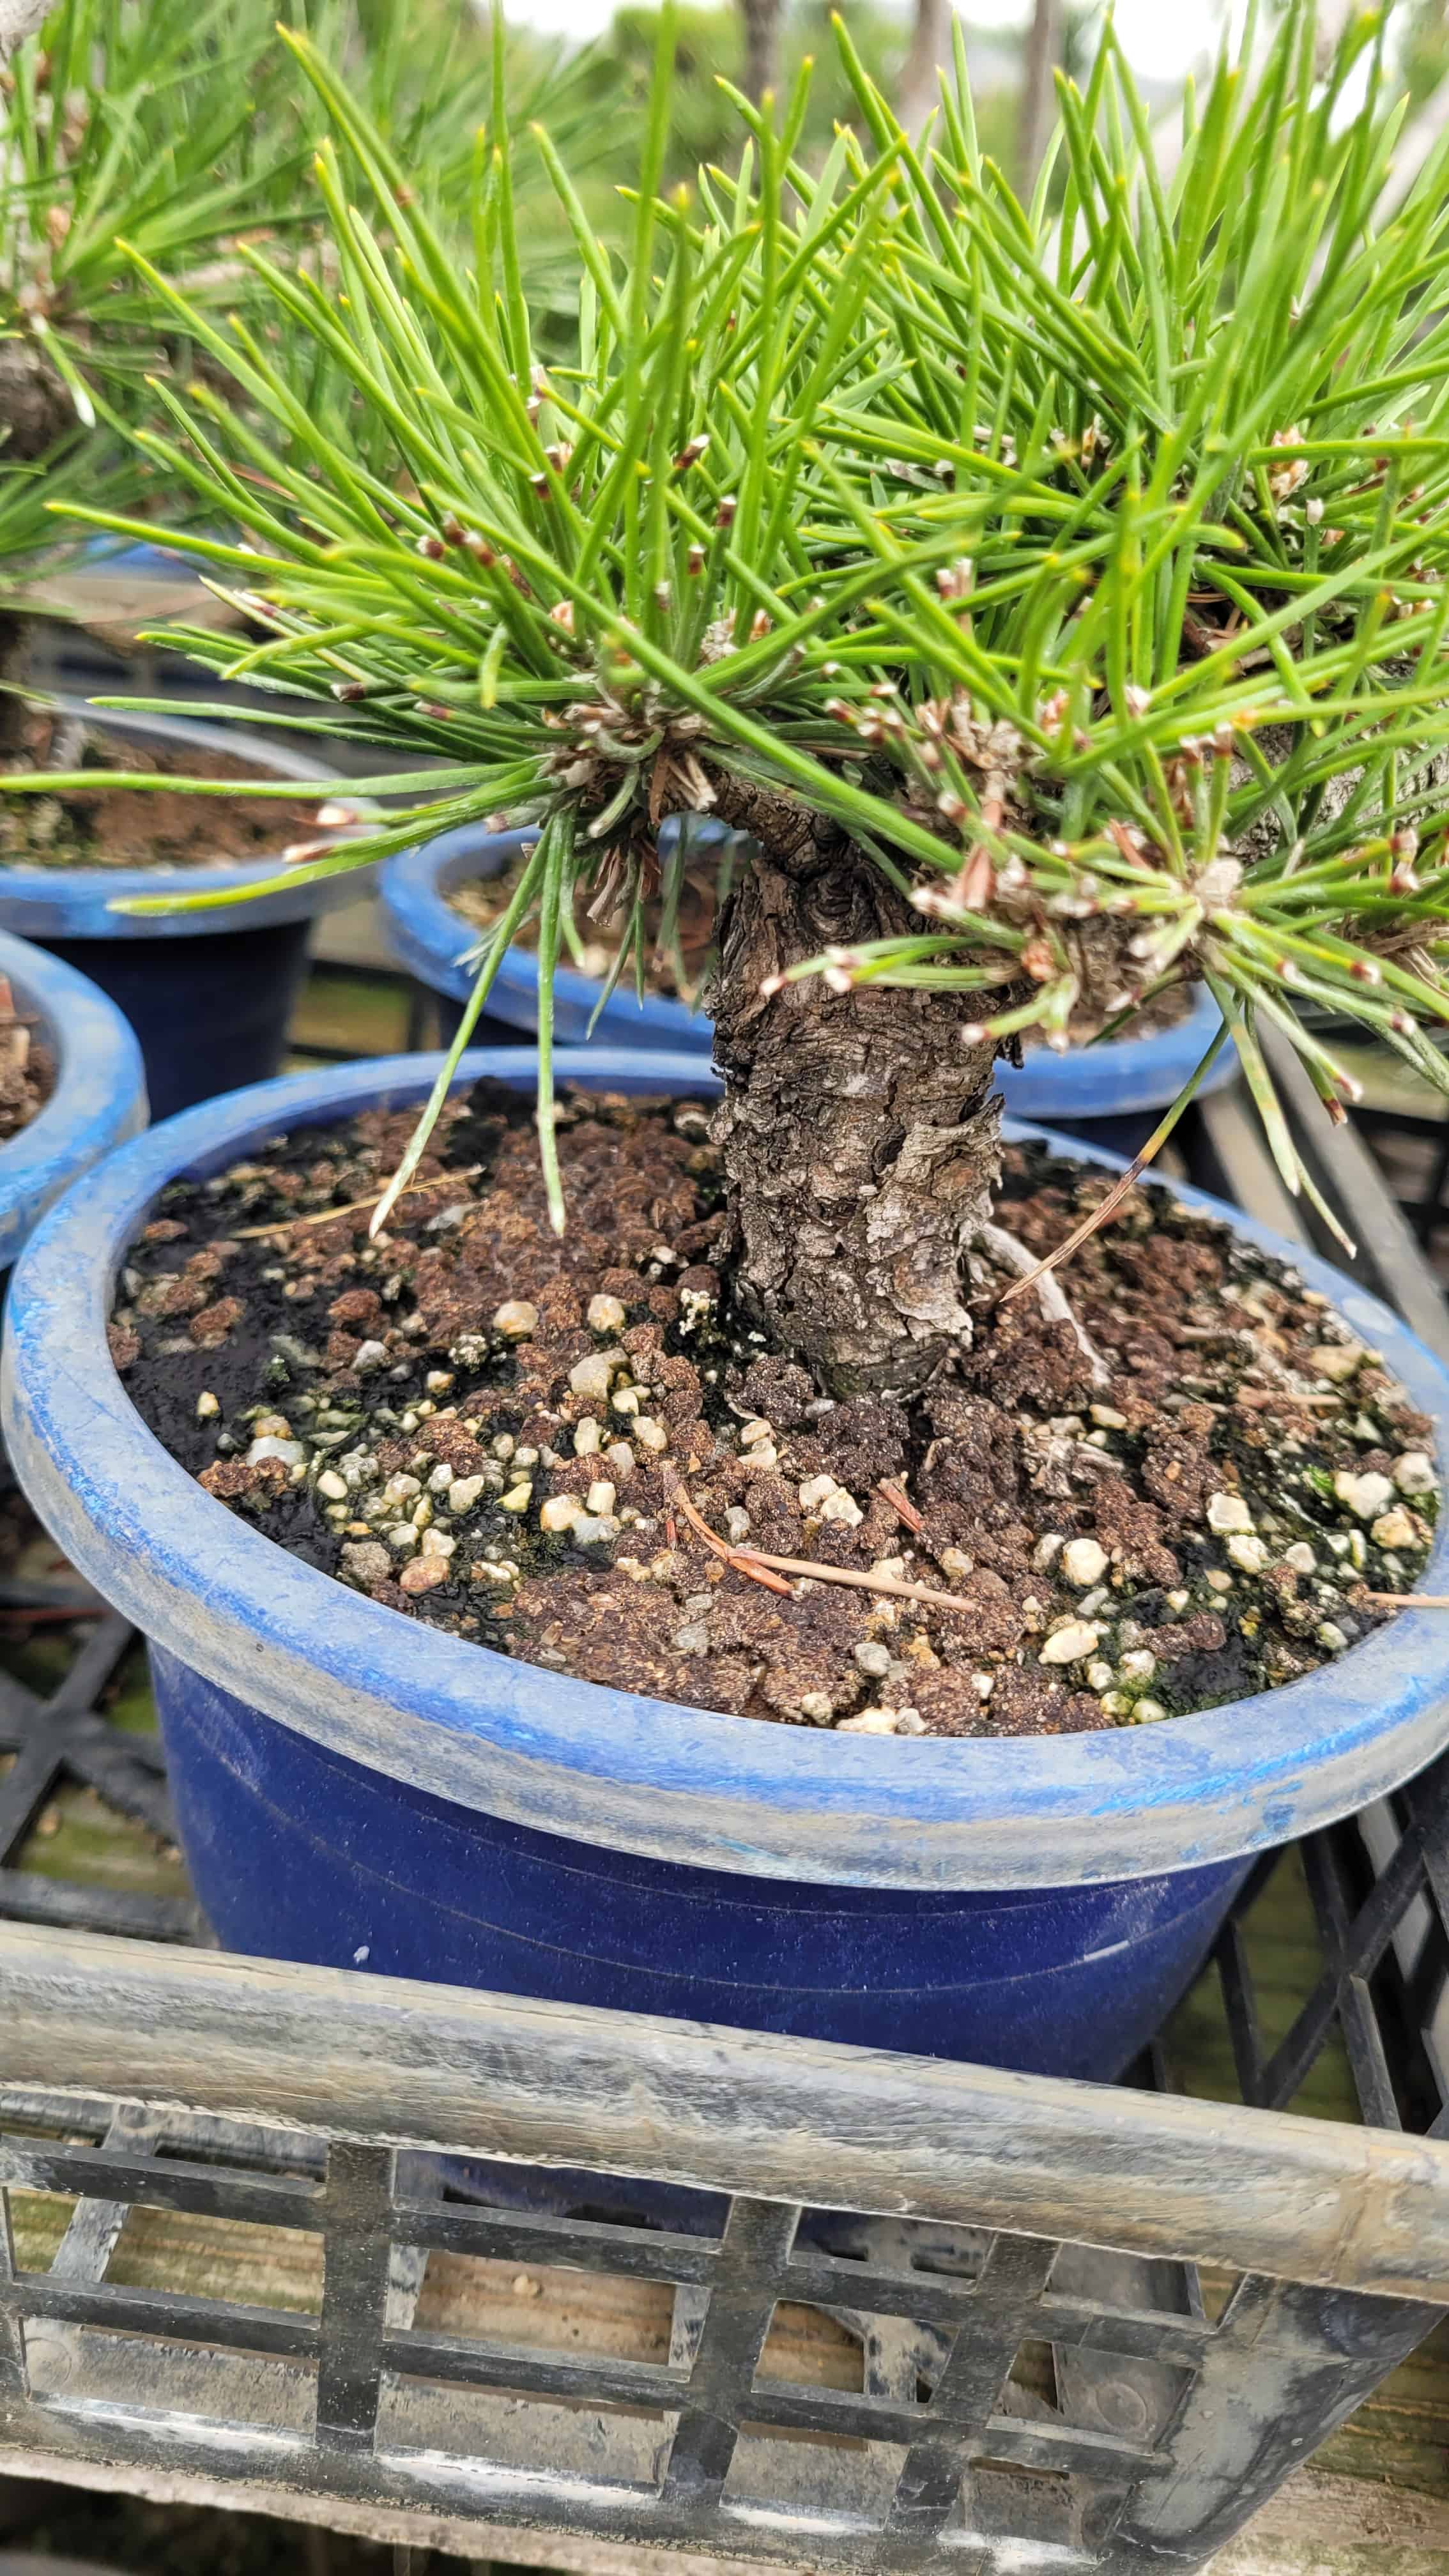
(1162, 38)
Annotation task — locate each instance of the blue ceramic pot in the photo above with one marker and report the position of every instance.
(1116, 1081)
(209, 994)
(356, 1787)
(99, 1098)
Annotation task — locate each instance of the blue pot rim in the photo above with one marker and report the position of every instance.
(99, 1098)
(75, 903)
(567, 1757)
(431, 940)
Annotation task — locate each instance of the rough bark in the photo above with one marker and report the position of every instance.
(762, 46)
(860, 1136)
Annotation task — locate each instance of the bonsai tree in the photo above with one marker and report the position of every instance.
(166, 127)
(169, 132)
(1055, 594)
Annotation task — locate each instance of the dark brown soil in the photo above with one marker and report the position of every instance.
(114, 828)
(27, 1071)
(423, 1417)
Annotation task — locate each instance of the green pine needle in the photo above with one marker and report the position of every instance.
(1086, 566)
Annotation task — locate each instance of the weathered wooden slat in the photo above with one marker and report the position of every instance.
(28, 1897)
(595, 2381)
(583, 2244)
(158, 2312)
(387, 2062)
(205, 2191)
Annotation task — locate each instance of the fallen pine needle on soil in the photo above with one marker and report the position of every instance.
(355, 1207)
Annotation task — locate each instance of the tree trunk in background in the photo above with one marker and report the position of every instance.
(36, 412)
(1040, 59)
(930, 48)
(860, 1135)
(762, 46)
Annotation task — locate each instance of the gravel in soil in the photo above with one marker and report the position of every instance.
(112, 827)
(504, 1433)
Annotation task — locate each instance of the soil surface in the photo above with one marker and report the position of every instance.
(114, 828)
(507, 1434)
(27, 1071)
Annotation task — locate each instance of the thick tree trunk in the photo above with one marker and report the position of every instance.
(762, 46)
(860, 1136)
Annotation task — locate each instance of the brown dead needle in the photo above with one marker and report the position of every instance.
(904, 1509)
(747, 1558)
(760, 1567)
(356, 1207)
(1088, 1227)
(717, 1546)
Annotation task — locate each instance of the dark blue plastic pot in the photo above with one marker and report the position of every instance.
(209, 994)
(357, 1787)
(99, 1098)
(1115, 1081)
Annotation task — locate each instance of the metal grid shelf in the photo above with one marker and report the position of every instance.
(934, 2315)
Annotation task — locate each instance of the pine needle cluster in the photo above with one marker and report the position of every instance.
(1084, 560)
